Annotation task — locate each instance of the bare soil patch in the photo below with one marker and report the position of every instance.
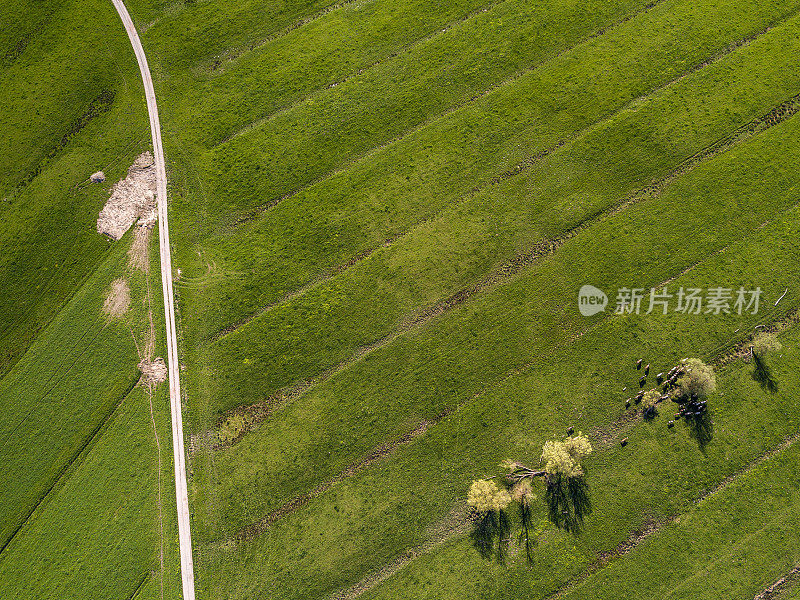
(137, 255)
(118, 299)
(153, 371)
(131, 198)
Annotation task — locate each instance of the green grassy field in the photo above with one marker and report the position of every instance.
(84, 491)
(381, 268)
(381, 215)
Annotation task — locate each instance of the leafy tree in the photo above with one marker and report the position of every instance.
(566, 494)
(698, 378)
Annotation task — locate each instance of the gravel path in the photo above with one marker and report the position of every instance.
(187, 567)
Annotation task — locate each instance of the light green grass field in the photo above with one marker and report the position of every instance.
(381, 216)
(83, 496)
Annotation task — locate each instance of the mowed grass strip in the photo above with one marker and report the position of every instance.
(731, 546)
(338, 45)
(99, 532)
(421, 375)
(61, 391)
(205, 32)
(382, 197)
(303, 337)
(371, 519)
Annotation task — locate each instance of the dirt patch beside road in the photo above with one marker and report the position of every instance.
(131, 198)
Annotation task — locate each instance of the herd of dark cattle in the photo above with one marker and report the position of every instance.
(690, 406)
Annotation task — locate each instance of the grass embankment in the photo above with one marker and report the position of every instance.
(71, 105)
(306, 335)
(209, 30)
(441, 53)
(359, 209)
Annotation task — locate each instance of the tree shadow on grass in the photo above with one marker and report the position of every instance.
(525, 539)
(701, 429)
(490, 535)
(762, 374)
(567, 502)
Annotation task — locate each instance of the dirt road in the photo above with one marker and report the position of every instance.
(187, 567)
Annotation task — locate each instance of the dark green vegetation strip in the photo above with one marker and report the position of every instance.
(97, 537)
(78, 509)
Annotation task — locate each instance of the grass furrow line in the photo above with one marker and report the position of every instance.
(261, 410)
(142, 581)
(66, 469)
(773, 592)
(233, 54)
(251, 214)
(775, 116)
(394, 54)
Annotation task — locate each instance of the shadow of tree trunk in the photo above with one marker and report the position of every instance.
(490, 535)
(762, 374)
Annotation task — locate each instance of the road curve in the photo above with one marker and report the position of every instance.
(181, 494)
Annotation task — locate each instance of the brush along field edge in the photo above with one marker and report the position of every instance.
(182, 498)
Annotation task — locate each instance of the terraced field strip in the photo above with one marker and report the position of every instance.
(181, 493)
(604, 436)
(459, 527)
(605, 558)
(494, 263)
(775, 115)
(276, 249)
